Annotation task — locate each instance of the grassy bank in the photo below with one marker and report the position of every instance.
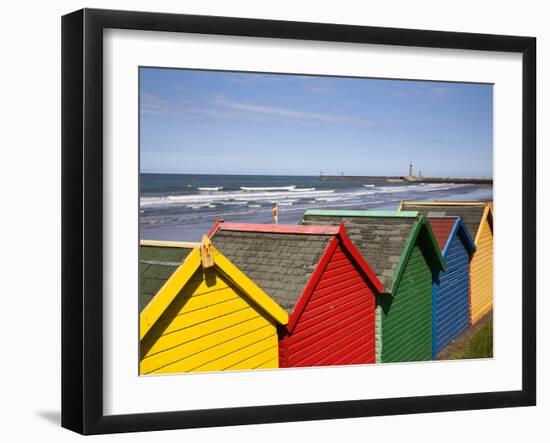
(476, 342)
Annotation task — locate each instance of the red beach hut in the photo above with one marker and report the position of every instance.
(319, 277)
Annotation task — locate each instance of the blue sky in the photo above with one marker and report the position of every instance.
(246, 123)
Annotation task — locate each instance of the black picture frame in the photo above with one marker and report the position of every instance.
(82, 218)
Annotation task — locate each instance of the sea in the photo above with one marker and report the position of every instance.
(183, 207)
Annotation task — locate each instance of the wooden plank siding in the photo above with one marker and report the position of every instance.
(406, 316)
(209, 326)
(451, 295)
(337, 324)
(482, 273)
(405, 256)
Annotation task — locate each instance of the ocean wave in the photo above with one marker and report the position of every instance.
(212, 189)
(253, 209)
(286, 197)
(238, 197)
(200, 206)
(291, 188)
(267, 188)
(440, 189)
(198, 209)
(233, 202)
(327, 199)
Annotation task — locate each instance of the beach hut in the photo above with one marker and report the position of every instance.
(403, 252)
(478, 217)
(319, 277)
(451, 292)
(199, 312)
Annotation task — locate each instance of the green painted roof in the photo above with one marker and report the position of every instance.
(156, 265)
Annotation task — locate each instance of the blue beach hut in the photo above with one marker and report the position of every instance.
(451, 290)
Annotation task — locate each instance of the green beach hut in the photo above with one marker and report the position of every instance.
(405, 256)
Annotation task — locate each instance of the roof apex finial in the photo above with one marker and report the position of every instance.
(207, 256)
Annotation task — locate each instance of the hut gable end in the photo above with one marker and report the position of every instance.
(210, 318)
(336, 325)
(210, 325)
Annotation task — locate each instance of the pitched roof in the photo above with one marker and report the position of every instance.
(382, 237)
(471, 212)
(172, 286)
(157, 262)
(280, 259)
(442, 228)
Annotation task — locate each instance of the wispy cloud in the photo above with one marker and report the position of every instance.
(441, 91)
(416, 92)
(406, 92)
(290, 113)
(306, 83)
(152, 105)
(223, 108)
(246, 79)
(320, 86)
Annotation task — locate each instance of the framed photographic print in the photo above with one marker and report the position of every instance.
(269, 221)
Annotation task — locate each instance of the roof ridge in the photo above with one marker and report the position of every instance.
(460, 227)
(280, 229)
(447, 203)
(442, 216)
(362, 213)
(170, 244)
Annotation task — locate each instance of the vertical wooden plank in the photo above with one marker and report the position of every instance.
(482, 274)
(333, 321)
(407, 316)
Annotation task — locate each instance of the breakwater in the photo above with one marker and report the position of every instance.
(396, 179)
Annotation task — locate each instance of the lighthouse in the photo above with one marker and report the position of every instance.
(410, 169)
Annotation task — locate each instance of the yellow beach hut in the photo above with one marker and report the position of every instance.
(478, 217)
(199, 312)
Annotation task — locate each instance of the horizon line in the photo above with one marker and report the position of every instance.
(316, 175)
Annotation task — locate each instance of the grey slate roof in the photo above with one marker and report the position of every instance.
(156, 265)
(280, 264)
(471, 214)
(381, 240)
